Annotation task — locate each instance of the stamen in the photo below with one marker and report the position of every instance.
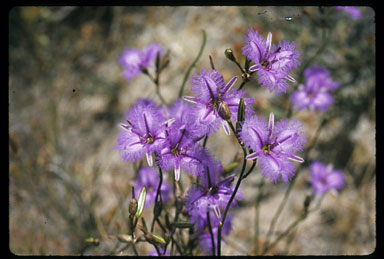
(216, 210)
(149, 159)
(271, 124)
(177, 171)
(190, 99)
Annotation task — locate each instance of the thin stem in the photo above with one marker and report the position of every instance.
(250, 169)
(285, 233)
(257, 215)
(132, 223)
(158, 193)
(233, 194)
(242, 84)
(289, 242)
(211, 233)
(159, 95)
(193, 64)
(290, 186)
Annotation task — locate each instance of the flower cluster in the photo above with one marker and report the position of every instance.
(315, 93)
(171, 137)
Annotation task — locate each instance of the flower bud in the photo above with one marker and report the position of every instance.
(224, 111)
(132, 207)
(157, 209)
(183, 224)
(93, 241)
(140, 202)
(124, 238)
(154, 238)
(229, 54)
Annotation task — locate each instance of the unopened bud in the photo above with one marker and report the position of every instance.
(183, 224)
(164, 61)
(224, 111)
(132, 207)
(93, 241)
(157, 209)
(229, 54)
(124, 238)
(140, 202)
(153, 238)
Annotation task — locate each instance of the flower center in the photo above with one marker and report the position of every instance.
(149, 140)
(267, 149)
(213, 190)
(323, 181)
(265, 65)
(175, 151)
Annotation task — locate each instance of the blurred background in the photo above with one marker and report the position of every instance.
(67, 96)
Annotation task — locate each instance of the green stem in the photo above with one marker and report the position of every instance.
(257, 215)
(250, 169)
(285, 233)
(211, 233)
(234, 191)
(158, 194)
(193, 64)
(290, 186)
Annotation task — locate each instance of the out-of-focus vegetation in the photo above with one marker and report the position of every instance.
(67, 95)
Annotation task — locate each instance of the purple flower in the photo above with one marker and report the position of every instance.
(215, 102)
(271, 63)
(325, 178)
(210, 193)
(134, 61)
(180, 151)
(144, 133)
(353, 11)
(274, 145)
(314, 94)
(185, 114)
(149, 178)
